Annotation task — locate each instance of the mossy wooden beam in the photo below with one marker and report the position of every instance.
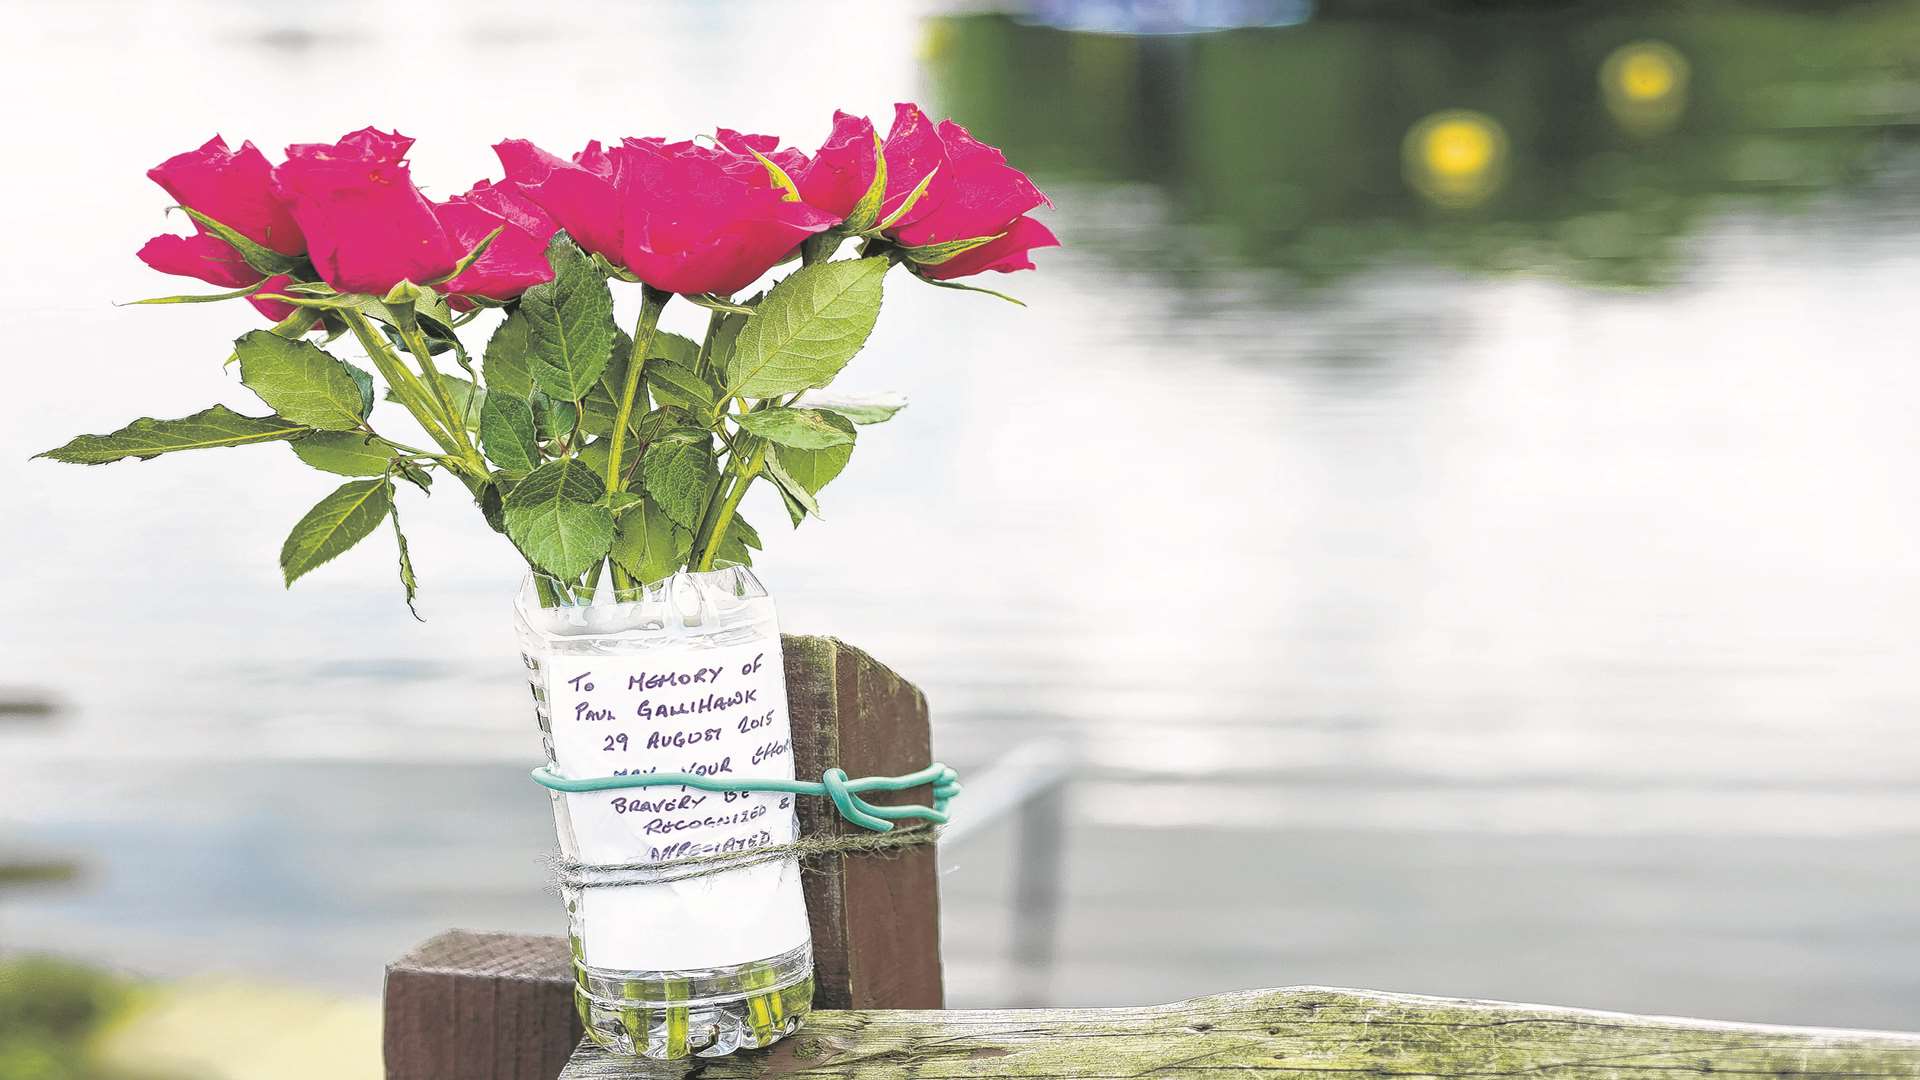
(1297, 1032)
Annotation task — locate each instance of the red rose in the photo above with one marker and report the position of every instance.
(367, 227)
(974, 192)
(578, 194)
(835, 178)
(234, 188)
(517, 258)
(696, 219)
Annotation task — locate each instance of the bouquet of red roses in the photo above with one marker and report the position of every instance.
(600, 453)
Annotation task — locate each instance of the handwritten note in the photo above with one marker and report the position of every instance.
(704, 711)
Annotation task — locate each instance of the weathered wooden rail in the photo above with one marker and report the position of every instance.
(473, 1006)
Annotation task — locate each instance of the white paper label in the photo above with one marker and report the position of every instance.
(717, 712)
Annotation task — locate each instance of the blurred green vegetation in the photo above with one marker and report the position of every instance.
(1286, 145)
(50, 1011)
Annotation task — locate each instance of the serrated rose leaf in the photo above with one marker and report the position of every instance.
(679, 474)
(804, 429)
(806, 329)
(507, 367)
(557, 520)
(507, 435)
(813, 469)
(800, 502)
(570, 329)
(300, 381)
(650, 545)
(344, 453)
(859, 408)
(335, 524)
(149, 438)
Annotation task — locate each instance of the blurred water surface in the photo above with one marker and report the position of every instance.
(1454, 487)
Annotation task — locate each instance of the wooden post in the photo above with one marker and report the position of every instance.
(467, 1006)
(876, 920)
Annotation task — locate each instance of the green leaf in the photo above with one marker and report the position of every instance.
(678, 348)
(556, 519)
(859, 408)
(407, 581)
(813, 469)
(507, 435)
(739, 543)
(595, 452)
(260, 257)
(301, 381)
(675, 384)
(806, 429)
(799, 500)
(149, 438)
(508, 363)
(335, 524)
(601, 407)
(679, 473)
(569, 323)
(363, 379)
(649, 544)
(344, 453)
(807, 328)
(554, 419)
(492, 502)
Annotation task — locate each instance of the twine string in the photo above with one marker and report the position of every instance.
(691, 867)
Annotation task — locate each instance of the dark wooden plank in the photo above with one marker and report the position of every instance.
(876, 920)
(1303, 1032)
(472, 1006)
(500, 1006)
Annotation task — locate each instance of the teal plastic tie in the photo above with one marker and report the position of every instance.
(834, 784)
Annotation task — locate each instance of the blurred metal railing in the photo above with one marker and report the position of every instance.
(1028, 785)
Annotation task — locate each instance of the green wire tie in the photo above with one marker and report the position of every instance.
(833, 783)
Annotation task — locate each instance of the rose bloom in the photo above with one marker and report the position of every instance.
(974, 193)
(698, 219)
(234, 188)
(517, 258)
(367, 227)
(576, 194)
(682, 217)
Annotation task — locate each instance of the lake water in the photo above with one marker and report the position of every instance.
(1454, 492)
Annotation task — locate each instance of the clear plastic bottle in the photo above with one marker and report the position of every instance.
(650, 680)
